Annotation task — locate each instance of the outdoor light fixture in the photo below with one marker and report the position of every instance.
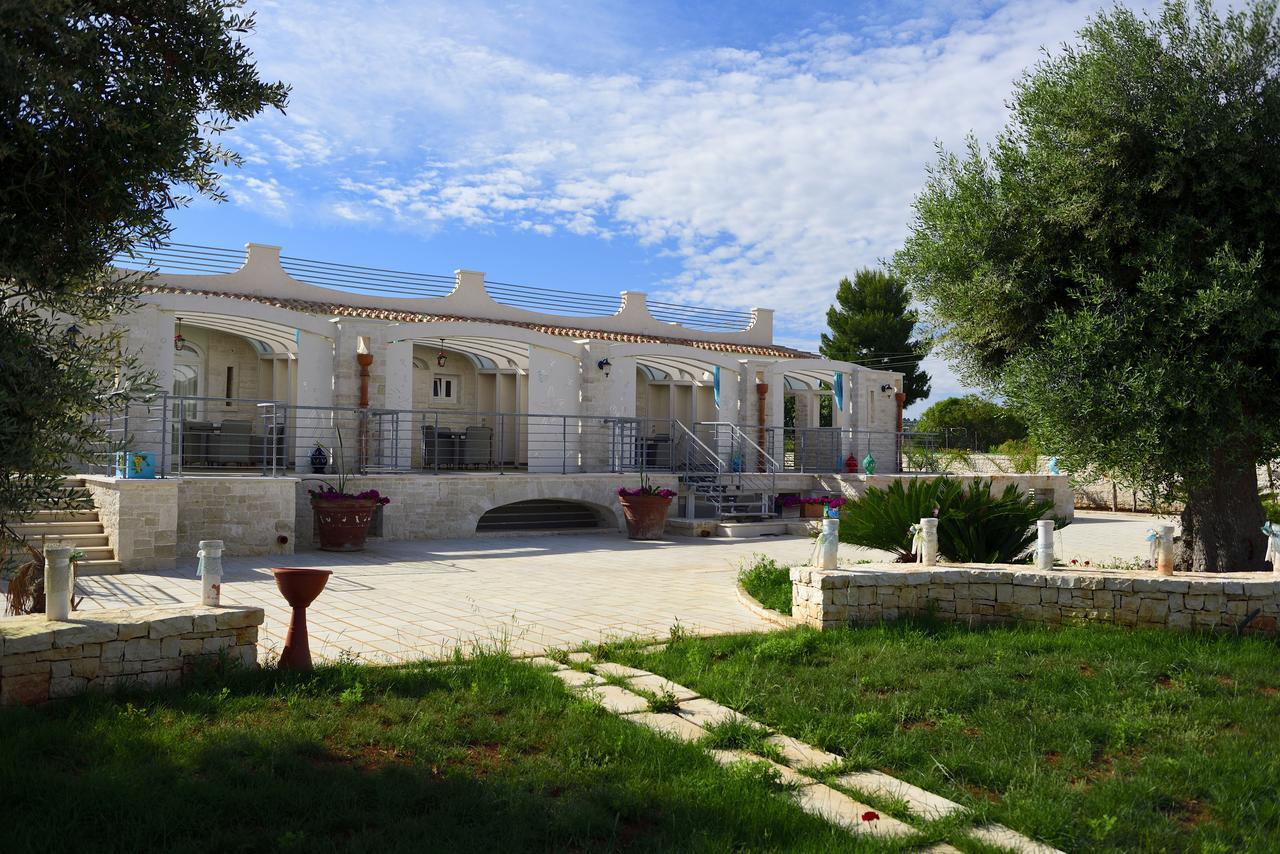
(604, 365)
(73, 332)
(441, 358)
(887, 387)
(178, 340)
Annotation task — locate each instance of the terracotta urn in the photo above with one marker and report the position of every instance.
(646, 515)
(342, 524)
(300, 586)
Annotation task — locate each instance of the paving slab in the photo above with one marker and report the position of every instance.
(543, 661)
(838, 808)
(580, 657)
(576, 678)
(923, 803)
(704, 712)
(667, 724)
(1002, 837)
(609, 668)
(788, 776)
(659, 685)
(615, 699)
(801, 755)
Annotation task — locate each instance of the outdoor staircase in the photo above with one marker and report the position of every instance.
(715, 478)
(80, 529)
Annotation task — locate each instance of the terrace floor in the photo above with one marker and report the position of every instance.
(403, 600)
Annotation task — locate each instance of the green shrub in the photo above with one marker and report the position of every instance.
(978, 527)
(1271, 506)
(974, 526)
(768, 582)
(882, 518)
(1023, 454)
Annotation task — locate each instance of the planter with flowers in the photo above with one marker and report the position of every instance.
(814, 508)
(342, 517)
(645, 509)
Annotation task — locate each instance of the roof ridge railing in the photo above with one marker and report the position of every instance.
(191, 258)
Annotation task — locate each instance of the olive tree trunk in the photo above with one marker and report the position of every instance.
(1222, 522)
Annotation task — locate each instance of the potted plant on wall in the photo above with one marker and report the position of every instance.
(342, 517)
(813, 507)
(645, 509)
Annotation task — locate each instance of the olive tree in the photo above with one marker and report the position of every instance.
(109, 112)
(1110, 265)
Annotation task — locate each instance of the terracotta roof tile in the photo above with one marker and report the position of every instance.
(341, 310)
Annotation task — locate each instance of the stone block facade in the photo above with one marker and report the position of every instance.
(979, 594)
(249, 514)
(140, 518)
(42, 660)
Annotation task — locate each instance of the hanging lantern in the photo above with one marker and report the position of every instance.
(178, 340)
(441, 358)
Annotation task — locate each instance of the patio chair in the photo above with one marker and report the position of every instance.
(477, 446)
(195, 442)
(232, 444)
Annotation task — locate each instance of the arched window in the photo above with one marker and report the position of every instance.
(188, 382)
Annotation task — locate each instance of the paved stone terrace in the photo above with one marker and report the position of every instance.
(401, 600)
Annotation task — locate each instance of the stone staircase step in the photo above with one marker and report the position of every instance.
(80, 541)
(98, 567)
(56, 529)
(64, 516)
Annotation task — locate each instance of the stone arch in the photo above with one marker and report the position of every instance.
(531, 515)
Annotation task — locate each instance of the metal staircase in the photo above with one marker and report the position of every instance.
(746, 483)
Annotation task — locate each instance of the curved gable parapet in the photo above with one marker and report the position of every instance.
(263, 275)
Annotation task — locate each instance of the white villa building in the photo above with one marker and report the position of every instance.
(474, 405)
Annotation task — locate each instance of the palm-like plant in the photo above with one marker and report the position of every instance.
(974, 526)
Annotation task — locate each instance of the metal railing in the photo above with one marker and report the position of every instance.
(188, 258)
(823, 450)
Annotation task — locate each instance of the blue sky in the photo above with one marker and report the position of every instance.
(732, 155)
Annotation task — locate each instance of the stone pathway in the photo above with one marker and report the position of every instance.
(689, 716)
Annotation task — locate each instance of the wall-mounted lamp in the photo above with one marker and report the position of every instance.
(73, 332)
(178, 340)
(887, 387)
(441, 358)
(604, 365)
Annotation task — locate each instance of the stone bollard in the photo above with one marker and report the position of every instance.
(1161, 539)
(829, 541)
(929, 541)
(57, 582)
(210, 571)
(1044, 545)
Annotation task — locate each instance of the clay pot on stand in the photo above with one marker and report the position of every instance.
(343, 523)
(646, 515)
(300, 587)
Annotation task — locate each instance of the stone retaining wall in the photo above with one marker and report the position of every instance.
(42, 660)
(980, 593)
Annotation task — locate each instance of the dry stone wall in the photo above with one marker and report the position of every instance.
(42, 660)
(825, 599)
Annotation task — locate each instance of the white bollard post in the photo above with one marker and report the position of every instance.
(929, 541)
(57, 582)
(830, 538)
(1164, 550)
(210, 571)
(1044, 545)
(1272, 532)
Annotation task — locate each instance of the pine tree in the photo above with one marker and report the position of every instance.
(872, 325)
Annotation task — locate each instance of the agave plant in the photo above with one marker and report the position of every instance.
(974, 526)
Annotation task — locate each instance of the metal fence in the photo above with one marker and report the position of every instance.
(205, 435)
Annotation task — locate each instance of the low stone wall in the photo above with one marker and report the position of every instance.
(979, 593)
(42, 660)
(431, 507)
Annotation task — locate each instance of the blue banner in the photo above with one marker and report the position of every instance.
(837, 386)
(716, 386)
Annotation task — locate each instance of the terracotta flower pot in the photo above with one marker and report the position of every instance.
(300, 587)
(646, 515)
(343, 523)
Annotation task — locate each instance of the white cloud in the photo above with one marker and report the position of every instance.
(769, 173)
(267, 197)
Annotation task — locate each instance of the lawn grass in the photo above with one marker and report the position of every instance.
(1089, 738)
(486, 754)
(768, 582)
